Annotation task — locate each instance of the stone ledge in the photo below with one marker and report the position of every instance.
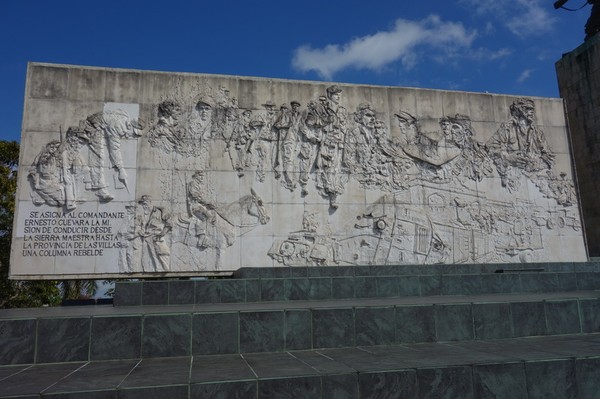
(383, 282)
(565, 366)
(105, 333)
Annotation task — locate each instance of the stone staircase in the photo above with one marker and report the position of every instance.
(447, 331)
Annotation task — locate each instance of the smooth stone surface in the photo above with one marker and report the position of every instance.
(278, 365)
(37, 378)
(500, 381)
(220, 368)
(453, 322)
(590, 315)
(415, 324)
(375, 326)
(492, 320)
(298, 329)
(155, 293)
(451, 382)
(333, 328)
(63, 340)
(215, 333)
(116, 337)
(562, 317)
(588, 375)
(344, 386)
(272, 290)
(128, 293)
(181, 292)
(158, 372)
(392, 384)
(17, 341)
(528, 319)
(95, 376)
(551, 379)
(166, 335)
(298, 387)
(224, 390)
(233, 291)
(261, 331)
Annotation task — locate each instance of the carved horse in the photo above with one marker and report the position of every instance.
(246, 213)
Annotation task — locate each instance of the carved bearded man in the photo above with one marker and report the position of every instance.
(519, 146)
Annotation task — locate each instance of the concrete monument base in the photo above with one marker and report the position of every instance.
(501, 330)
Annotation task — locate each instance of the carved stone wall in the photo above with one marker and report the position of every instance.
(149, 173)
(579, 83)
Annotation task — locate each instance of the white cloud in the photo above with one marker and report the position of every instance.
(382, 48)
(533, 19)
(482, 7)
(524, 75)
(522, 17)
(484, 54)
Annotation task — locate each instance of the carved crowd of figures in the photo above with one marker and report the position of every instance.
(326, 141)
(321, 141)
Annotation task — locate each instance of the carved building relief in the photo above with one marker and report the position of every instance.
(365, 185)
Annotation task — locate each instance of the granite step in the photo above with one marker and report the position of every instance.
(566, 366)
(346, 282)
(101, 333)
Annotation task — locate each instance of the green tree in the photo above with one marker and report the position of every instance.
(16, 293)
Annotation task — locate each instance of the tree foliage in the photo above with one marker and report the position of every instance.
(16, 293)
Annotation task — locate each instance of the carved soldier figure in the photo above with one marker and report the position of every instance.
(267, 141)
(127, 261)
(240, 143)
(281, 126)
(311, 135)
(472, 160)
(72, 164)
(45, 176)
(106, 130)
(519, 145)
(330, 179)
(409, 129)
(201, 122)
(165, 134)
(150, 245)
(360, 143)
(288, 124)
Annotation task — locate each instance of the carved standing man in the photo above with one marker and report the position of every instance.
(240, 142)
(267, 142)
(152, 225)
(330, 179)
(72, 165)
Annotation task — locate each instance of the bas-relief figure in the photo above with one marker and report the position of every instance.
(60, 169)
(431, 212)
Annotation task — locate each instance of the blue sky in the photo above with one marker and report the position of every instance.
(498, 46)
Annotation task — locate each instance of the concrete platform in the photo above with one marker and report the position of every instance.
(494, 332)
(565, 366)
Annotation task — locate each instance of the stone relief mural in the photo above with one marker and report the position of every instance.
(59, 171)
(445, 194)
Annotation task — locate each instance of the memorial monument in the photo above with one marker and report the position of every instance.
(377, 239)
(139, 173)
(578, 79)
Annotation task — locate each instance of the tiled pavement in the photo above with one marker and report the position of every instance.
(566, 366)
